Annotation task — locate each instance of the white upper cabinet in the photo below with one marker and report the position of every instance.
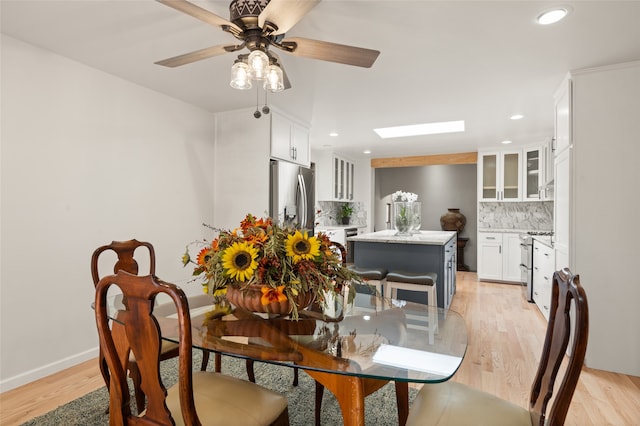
(562, 117)
(537, 167)
(500, 176)
(533, 167)
(289, 140)
(335, 177)
(343, 174)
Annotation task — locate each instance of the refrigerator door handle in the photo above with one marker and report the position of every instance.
(303, 204)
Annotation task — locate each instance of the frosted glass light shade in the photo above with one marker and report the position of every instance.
(274, 79)
(258, 64)
(240, 76)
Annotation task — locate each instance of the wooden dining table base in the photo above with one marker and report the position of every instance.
(348, 388)
(350, 392)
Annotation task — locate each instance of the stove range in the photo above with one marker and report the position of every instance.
(540, 233)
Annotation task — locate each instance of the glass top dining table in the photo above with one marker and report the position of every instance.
(351, 349)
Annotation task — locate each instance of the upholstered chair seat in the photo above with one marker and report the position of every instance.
(237, 402)
(452, 403)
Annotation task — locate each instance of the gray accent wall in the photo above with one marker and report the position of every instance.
(439, 188)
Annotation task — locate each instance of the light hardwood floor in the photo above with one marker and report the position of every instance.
(505, 339)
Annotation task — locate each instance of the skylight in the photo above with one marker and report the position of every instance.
(420, 129)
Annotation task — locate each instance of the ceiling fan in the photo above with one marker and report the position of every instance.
(260, 24)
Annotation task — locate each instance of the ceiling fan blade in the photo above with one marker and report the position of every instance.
(198, 55)
(198, 13)
(285, 13)
(332, 52)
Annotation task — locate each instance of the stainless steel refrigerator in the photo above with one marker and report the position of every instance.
(292, 194)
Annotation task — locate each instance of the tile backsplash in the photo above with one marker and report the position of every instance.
(532, 216)
(327, 213)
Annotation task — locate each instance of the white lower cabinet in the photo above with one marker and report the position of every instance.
(543, 267)
(499, 256)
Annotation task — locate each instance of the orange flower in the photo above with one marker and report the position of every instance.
(270, 294)
(264, 223)
(204, 256)
(257, 239)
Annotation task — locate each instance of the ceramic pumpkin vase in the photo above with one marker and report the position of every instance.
(249, 298)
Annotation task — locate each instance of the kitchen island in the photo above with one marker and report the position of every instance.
(427, 251)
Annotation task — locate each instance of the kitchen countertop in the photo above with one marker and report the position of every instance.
(389, 236)
(510, 230)
(323, 227)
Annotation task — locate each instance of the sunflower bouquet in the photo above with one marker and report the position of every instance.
(282, 260)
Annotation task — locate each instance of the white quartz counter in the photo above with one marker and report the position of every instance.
(389, 236)
(322, 228)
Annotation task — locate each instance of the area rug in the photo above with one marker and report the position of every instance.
(380, 407)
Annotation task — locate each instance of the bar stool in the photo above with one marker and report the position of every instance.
(424, 282)
(375, 277)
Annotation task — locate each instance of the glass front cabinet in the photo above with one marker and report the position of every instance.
(343, 176)
(538, 172)
(500, 176)
(534, 173)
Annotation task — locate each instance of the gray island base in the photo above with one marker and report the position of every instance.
(427, 251)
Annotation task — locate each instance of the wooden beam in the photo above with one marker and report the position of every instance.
(425, 160)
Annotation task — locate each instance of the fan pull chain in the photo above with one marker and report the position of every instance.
(257, 113)
(265, 108)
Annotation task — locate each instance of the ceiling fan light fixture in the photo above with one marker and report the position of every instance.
(258, 64)
(240, 76)
(274, 80)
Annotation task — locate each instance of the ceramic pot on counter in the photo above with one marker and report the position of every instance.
(453, 220)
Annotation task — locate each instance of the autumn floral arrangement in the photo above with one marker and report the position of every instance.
(282, 260)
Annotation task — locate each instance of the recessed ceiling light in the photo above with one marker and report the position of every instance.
(366, 151)
(333, 134)
(552, 16)
(516, 116)
(506, 142)
(421, 129)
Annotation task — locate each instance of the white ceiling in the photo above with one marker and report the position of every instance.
(476, 61)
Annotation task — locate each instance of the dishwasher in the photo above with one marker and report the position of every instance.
(350, 232)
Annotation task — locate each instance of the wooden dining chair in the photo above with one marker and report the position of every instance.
(199, 397)
(125, 250)
(453, 403)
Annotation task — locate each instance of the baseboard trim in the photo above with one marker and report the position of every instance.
(46, 370)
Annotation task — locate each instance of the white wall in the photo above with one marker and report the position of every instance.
(606, 138)
(242, 167)
(86, 158)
